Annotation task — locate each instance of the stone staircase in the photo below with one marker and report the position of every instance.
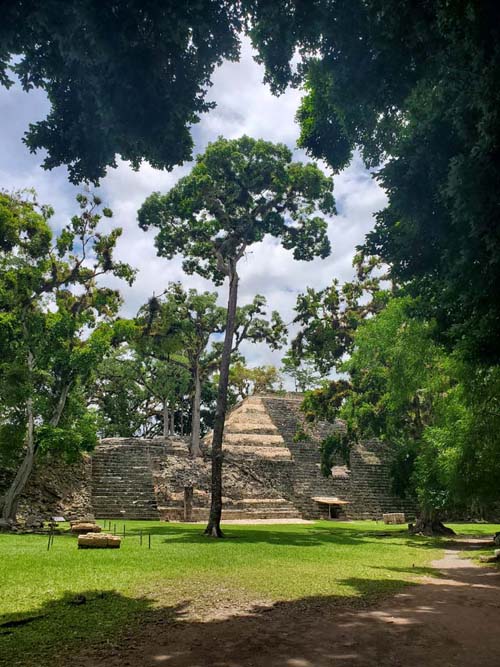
(250, 432)
(365, 485)
(271, 471)
(244, 509)
(303, 480)
(122, 481)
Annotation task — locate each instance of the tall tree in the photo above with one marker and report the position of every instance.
(412, 86)
(202, 319)
(137, 395)
(397, 80)
(328, 318)
(245, 381)
(437, 413)
(237, 192)
(50, 298)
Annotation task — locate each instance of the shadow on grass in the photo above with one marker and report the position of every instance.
(68, 623)
(95, 628)
(94, 623)
(286, 535)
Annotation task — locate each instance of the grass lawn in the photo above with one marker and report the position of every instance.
(72, 597)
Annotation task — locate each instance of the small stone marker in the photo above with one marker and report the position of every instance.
(96, 541)
(81, 527)
(394, 518)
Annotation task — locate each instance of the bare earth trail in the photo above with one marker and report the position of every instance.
(449, 620)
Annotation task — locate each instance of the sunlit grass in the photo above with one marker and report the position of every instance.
(264, 563)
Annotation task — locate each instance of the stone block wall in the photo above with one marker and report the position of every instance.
(268, 472)
(55, 488)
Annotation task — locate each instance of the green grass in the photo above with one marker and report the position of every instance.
(342, 561)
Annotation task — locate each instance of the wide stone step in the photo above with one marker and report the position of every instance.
(122, 496)
(106, 501)
(248, 452)
(254, 439)
(256, 428)
(173, 513)
(128, 516)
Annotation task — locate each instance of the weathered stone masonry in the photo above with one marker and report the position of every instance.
(266, 473)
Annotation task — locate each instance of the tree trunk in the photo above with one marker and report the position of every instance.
(166, 422)
(172, 421)
(12, 496)
(428, 524)
(195, 427)
(213, 527)
(24, 471)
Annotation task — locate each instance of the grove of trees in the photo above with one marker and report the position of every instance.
(407, 351)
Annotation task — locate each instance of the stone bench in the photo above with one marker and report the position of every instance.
(99, 541)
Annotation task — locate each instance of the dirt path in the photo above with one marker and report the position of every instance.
(453, 620)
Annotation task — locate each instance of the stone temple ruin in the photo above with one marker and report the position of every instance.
(269, 472)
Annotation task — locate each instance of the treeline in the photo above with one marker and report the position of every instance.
(413, 88)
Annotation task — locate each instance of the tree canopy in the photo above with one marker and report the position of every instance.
(414, 87)
(54, 328)
(127, 79)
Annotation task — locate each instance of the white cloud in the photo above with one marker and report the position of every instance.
(244, 106)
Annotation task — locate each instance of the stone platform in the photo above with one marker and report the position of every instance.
(269, 472)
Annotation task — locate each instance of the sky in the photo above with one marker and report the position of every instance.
(244, 106)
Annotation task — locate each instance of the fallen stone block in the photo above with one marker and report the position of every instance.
(394, 518)
(80, 527)
(99, 541)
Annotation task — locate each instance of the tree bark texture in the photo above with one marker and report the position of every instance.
(188, 503)
(213, 528)
(428, 524)
(166, 422)
(13, 494)
(195, 429)
(11, 498)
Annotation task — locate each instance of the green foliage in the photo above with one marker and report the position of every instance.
(302, 371)
(301, 435)
(412, 86)
(437, 411)
(93, 58)
(244, 381)
(55, 322)
(330, 317)
(335, 450)
(173, 338)
(238, 191)
(326, 401)
(131, 390)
